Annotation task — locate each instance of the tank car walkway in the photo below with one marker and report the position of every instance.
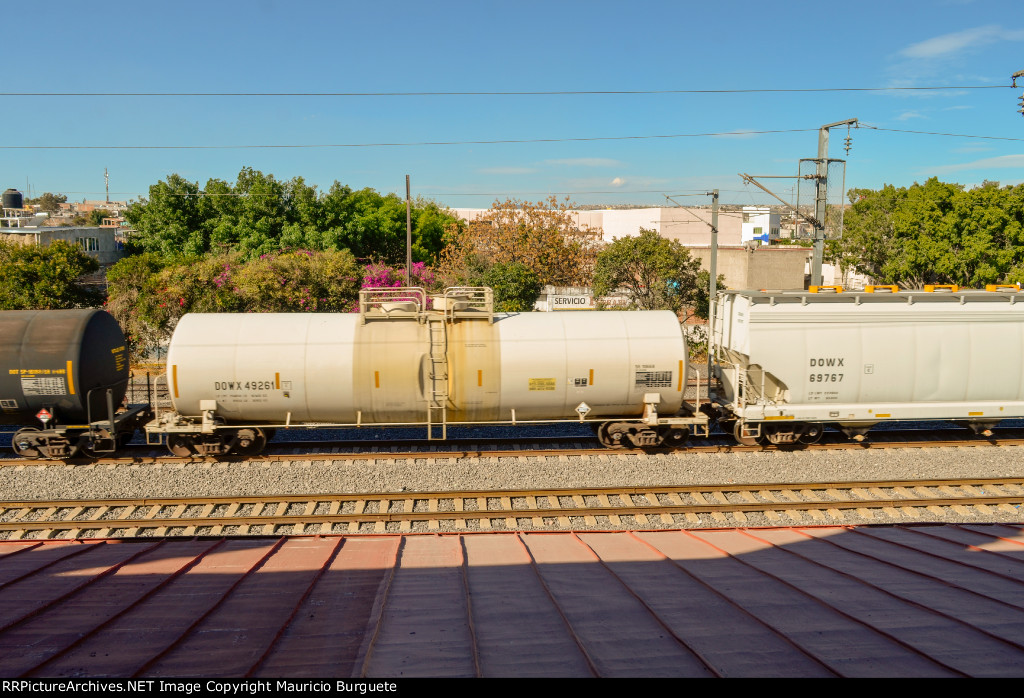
(893, 601)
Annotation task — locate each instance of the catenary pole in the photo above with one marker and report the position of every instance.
(820, 199)
(408, 234)
(713, 283)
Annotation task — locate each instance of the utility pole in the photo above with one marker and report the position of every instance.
(713, 284)
(712, 265)
(408, 234)
(821, 191)
(1019, 74)
(106, 181)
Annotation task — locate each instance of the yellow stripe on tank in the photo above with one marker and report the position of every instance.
(71, 380)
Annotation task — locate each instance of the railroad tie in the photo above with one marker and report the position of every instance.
(99, 513)
(533, 503)
(602, 499)
(769, 496)
(22, 513)
(958, 508)
(433, 523)
(510, 521)
(459, 504)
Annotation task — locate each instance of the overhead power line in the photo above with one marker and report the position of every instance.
(510, 93)
(480, 142)
(937, 133)
(382, 145)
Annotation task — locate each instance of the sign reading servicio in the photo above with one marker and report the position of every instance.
(571, 302)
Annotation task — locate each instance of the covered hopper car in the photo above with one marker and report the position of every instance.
(791, 362)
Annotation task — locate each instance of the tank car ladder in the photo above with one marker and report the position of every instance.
(437, 402)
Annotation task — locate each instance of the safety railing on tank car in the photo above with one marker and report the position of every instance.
(94, 430)
(468, 301)
(391, 302)
(117, 426)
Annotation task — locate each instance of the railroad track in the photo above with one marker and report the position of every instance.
(540, 446)
(563, 509)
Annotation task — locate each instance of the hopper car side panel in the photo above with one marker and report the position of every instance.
(904, 356)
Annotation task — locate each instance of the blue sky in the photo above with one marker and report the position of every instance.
(595, 148)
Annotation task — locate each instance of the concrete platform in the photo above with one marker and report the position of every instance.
(886, 601)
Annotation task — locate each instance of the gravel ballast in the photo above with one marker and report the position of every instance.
(396, 474)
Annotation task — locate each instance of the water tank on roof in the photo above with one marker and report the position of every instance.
(12, 198)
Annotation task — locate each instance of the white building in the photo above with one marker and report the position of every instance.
(23, 226)
(759, 223)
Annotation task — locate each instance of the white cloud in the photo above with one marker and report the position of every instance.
(983, 164)
(907, 115)
(956, 42)
(618, 182)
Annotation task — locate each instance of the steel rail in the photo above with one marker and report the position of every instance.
(144, 515)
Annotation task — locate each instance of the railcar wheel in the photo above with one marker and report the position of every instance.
(96, 444)
(248, 442)
(812, 434)
(611, 435)
(675, 437)
(179, 445)
(23, 441)
(743, 438)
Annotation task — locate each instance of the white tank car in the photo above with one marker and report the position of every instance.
(398, 363)
(790, 361)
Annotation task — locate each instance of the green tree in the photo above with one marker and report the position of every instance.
(170, 222)
(48, 202)
(516, 287)
(46, 278)
(148, 294)
(260, 215)
(97, 215)
(131, 288)
(934, 233)
(656, 273)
